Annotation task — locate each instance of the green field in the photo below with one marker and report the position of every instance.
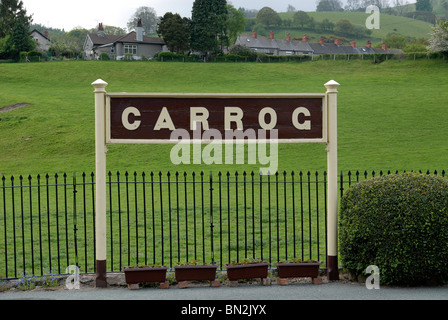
(391, 115)
(414, 29)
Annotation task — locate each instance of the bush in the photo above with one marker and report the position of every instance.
(400, 224)
(170, 56)
(104, 56)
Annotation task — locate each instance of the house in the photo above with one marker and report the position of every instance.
(134, 44)
(322, 47)
(303, 47)
(274, 46)
(42, 39)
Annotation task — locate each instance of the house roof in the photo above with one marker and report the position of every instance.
(365, 50)
(132, 38)
(254, 42)
(128, 38)
(268, 43)
(259, 42)
(107, 38)
(294, 45)
(332, 48)
(40, 33)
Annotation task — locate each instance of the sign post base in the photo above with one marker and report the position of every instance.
(101, 280)
(332, 268)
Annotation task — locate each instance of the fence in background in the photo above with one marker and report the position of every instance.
(47, 223)
(265, 58)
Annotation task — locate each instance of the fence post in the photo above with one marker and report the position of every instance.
(332, 167)
(100, 183)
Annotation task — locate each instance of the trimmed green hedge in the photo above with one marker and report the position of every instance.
(400, 224)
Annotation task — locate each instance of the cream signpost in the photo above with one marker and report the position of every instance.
(141, 118)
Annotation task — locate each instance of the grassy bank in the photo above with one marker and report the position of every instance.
(391, 115)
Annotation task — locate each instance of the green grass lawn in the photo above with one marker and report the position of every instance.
(391, 115)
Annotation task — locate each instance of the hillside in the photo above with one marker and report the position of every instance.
(411, 28)
(391, 115)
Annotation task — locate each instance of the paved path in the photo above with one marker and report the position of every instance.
(297, 291)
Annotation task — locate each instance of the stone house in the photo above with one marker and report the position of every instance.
(274, 46)
(134, 44)
(42, 39)
(337, 48)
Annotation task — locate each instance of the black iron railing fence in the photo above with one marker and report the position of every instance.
(47, 223)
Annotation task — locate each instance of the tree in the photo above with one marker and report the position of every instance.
(175, 31)
(329, 5)
(10, 12)
(149, 20)
(344, 26)
(423, 5)
(208, 26)
(268, 17)
(249, 13)
(291, 8)
(382, 4)
(116, 31)
(236, 23)
(301, 18)
(396, 41)
(20, 40)
(439, 38)
(353, 5)
(327, 25)
(400, 6)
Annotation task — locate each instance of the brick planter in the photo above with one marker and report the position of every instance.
(135, 276)
(298, 270)
(247, 271)
(195, 273)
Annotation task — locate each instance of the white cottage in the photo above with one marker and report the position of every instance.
(133, 44)
(43, 40)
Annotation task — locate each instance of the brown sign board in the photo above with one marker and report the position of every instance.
(152, 118)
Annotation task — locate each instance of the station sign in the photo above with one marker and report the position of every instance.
(153, 118)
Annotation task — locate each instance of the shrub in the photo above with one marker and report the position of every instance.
(170, 56)
(104, 56)
(400, 224)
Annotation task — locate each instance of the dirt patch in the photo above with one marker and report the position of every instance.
(14, 107)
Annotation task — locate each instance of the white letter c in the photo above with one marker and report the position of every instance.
(125, 118)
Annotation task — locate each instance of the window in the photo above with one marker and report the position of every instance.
(130, 49)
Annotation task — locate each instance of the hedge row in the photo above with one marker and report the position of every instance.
(399, 223)
(258, 57)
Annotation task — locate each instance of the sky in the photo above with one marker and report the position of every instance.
(67, 15)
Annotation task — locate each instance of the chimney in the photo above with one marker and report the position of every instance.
(46, 33)
(139, 30)
(384, 47)
(288, 37)
(321, 41)
(100, 30)
(337, 42)
(305, 38)
(254, 34)
(369, 44)
(271, 35)
(353, 43)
